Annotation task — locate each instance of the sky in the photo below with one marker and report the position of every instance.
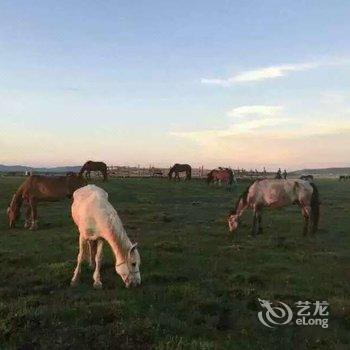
(214, 83)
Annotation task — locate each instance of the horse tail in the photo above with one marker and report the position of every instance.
(105, 171)
(315, 207)
(230, 172)
(89, 252)
(189, 173)
(210, 177)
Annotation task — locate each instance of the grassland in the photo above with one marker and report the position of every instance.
(199, 291)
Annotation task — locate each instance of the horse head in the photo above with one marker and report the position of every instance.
(233, 221)
(129, 269)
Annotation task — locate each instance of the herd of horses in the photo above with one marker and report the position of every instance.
(98, 221)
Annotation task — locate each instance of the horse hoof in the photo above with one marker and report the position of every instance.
(73, 283)
(98, 285)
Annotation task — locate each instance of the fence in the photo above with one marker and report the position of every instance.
(197, 172)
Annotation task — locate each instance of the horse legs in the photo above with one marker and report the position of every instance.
(34, 212)
(260, 229)
(27, 221)
(79, 261)
(306, 211)
(98, 261)
(257, 228)
(177, 176)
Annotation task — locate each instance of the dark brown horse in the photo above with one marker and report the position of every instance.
(179, 168)
(39, 188)
(94, 166)
(225, 175)
(307, 177)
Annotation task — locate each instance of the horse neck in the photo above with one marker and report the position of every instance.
(241, 207)
(119, 241)
(17, 199)
(83, 168)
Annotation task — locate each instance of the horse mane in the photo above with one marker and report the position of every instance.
(17, 198)
(242, 197)
(119, 232)
(83, 168)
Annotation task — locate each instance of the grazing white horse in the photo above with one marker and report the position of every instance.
(97, 222)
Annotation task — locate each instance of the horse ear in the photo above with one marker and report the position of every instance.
(132, 248)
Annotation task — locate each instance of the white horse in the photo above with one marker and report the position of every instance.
(97, 222)
(278, 194)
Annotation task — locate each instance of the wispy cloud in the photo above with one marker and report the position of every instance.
(265, 121)
(270, 72)
(248, 119)
(254, 110)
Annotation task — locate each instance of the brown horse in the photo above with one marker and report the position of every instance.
(278, 194)
(179, 168)
(225, 175)
(94, 166)
(37, 188)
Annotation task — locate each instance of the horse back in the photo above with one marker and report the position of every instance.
(277, 193)
(51, 188)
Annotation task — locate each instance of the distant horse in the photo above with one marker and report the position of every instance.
(94, 166)
(179, 168)
(37, 188)
(278, 176)
(344, 177)
(97, 222)
(221, 175)
(307, 177)
(277, 194)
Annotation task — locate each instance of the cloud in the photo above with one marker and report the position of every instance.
(270, 72)
(266, 121)
(254, 110)
(260, 117)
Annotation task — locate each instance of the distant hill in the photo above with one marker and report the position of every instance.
(21, 168)
(324, 171)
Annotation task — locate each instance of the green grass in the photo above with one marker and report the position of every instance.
(199, 291)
